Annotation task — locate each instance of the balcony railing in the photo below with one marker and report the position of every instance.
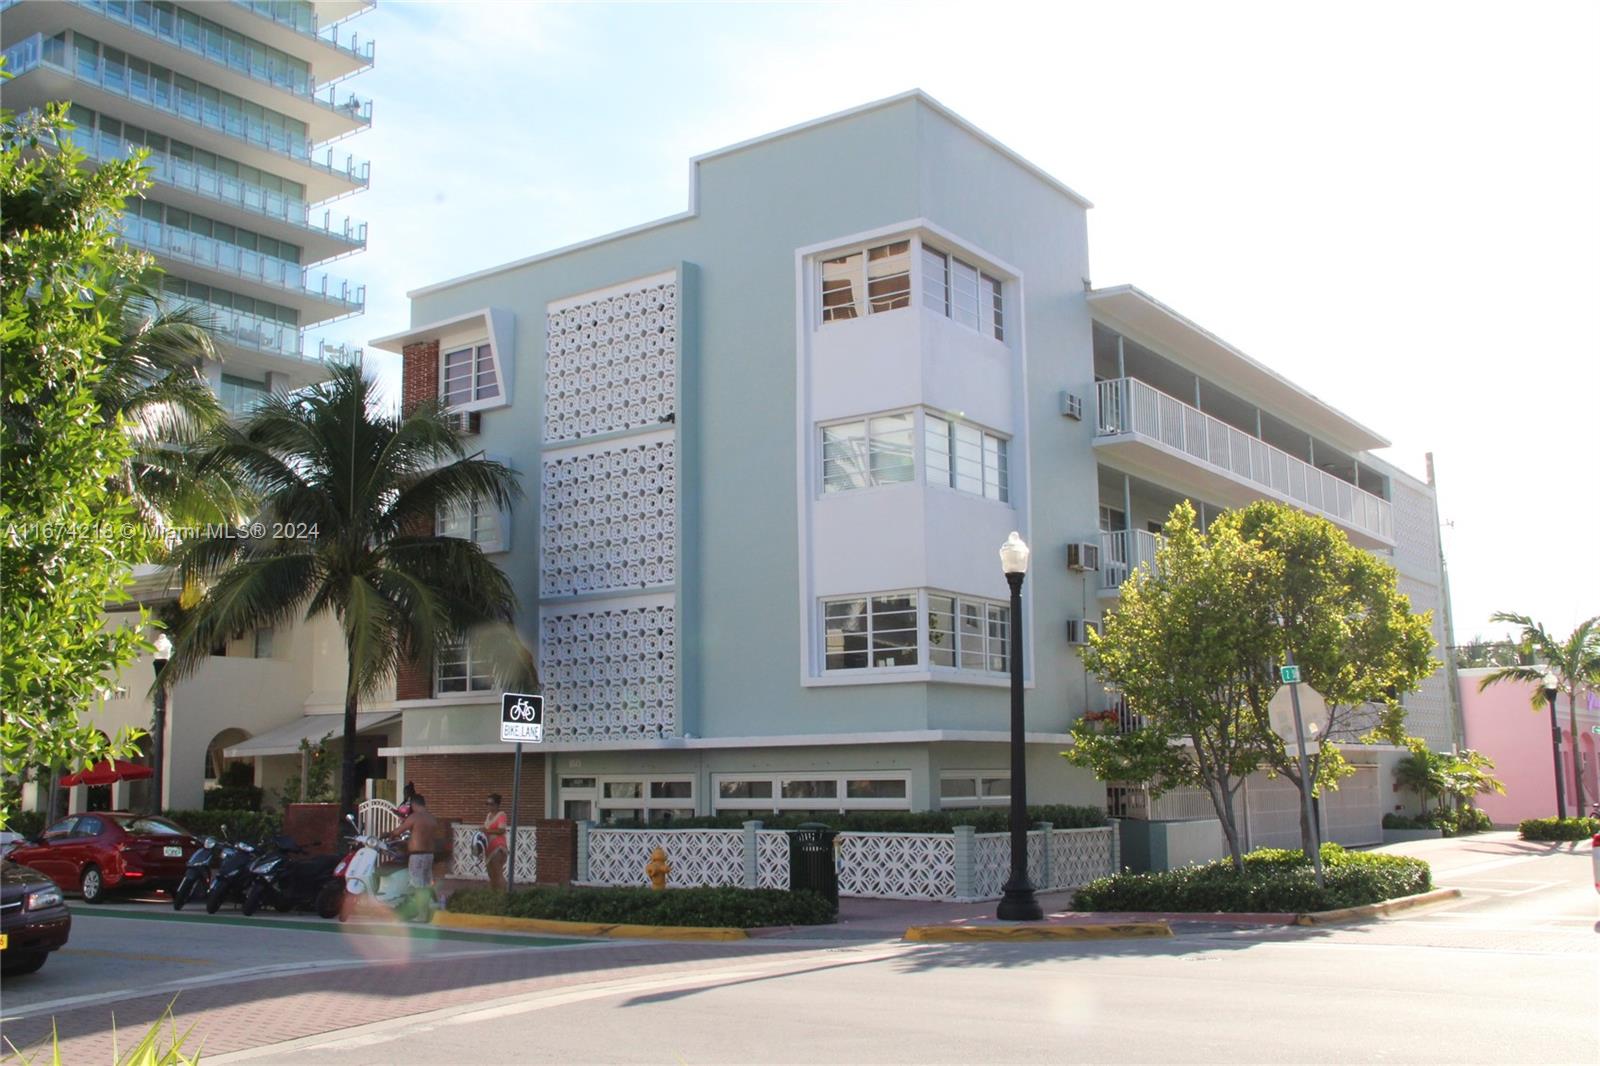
(190, 37)
(246, 330)
(1128, 405)
(241, 262)
(37, 51)
(1123, 552)
(222, 188)
(303, 20)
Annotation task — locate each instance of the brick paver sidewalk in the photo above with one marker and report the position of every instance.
(248, 1014)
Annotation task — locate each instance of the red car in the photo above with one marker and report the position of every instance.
(106, 851)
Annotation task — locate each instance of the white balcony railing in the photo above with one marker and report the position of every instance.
(1123, 552)
(1128, 405)
(243, 263)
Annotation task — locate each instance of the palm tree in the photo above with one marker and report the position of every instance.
(356, 490)
(154, 382)
(1574, 660)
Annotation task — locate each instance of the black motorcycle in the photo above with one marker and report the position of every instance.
(287, 878)
(232, 875)
(197, 872)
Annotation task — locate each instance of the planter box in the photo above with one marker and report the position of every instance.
(1401, 836)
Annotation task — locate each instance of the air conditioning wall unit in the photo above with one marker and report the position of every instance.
(465, 422)
(1078, 630)
(1083, 555)
(1071, 406)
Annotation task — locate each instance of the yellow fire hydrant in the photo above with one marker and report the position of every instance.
(657, 869)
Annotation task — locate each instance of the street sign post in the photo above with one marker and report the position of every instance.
(1290, 673)
(521, 720)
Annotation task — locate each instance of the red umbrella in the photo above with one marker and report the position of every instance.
(108, 772)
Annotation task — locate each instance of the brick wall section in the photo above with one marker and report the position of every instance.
(419, 374)
(314, 826)
(413, 680)
(455, 787)
(419, 381)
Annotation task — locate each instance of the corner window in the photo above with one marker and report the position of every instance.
(870, 632)
(966, 458)
(867, 452)
(969, 634)
(468, 375)
(457, 669)
(958, 290)
(874, 280)
(263, 637)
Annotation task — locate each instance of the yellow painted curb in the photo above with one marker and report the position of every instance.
(1372, 910)
(596, 929)
(951, 934)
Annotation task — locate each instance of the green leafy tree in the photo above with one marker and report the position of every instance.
(1574, 659)
(66, 539)
(354, 491)
(1352, 632)
(1186, 647)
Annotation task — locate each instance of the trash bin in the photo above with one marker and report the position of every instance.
(811, 865)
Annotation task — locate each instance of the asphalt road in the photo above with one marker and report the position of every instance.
(1509, 973)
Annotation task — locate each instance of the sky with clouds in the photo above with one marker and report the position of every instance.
(1395, 205)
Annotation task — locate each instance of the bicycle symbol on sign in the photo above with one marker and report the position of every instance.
(523, 711)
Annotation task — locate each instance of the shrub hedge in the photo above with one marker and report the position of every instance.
(1558, 828)
(738, 907)
(1453, 823)
(983, 819)
(241, 825)
(28, 823)
(233, 798)
(1274, 880)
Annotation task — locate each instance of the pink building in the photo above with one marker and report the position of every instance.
(1501, 723)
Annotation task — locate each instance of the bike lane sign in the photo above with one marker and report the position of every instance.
(521, 718)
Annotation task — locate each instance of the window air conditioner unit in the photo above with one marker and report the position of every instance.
(1083, 555)
(464, 422)
(1078, 630)
(1072, 406)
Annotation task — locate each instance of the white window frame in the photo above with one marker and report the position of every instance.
(644, 803)
(991, 301)
(841, 801)
(473, 662)
(860, 277)
(920, 631)
(865, 421)
(994, 482)
(978, 779)
(482, 353)
(987, 651)
(481, 517)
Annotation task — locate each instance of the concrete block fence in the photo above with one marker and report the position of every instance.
(961, 866)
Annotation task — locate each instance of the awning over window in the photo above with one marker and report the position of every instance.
(285, 740)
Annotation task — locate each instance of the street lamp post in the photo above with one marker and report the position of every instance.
(1018, 904)
(158, 721)
(1551, 689)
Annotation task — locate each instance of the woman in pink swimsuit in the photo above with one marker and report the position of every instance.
(494, 855)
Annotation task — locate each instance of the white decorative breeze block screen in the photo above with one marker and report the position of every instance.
(611, 363)
(772, 858)
(608, 520)
(466, 866)
(609, 673)
(1078, 856)
(697, 856)
(896, 865)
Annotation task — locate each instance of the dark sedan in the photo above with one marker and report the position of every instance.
(33, 918)
(107, 851)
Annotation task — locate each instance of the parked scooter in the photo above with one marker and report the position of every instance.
(231, 876)
(287, 878)
(374, 873)
(198, 871)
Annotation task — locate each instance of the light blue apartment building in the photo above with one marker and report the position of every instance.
(771, 448)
